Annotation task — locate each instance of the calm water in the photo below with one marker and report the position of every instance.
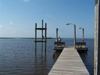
(18, 57)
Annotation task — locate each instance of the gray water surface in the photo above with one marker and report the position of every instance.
(18, 57)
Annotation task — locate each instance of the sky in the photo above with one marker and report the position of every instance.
(18, 17)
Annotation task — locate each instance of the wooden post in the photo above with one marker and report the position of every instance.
(35, 36)
(97, 39)
(57, 34)
(42, 30)
(98, 42)
(83, 34)
(42, 38)
(98, 56)
(45, 35)
(74, 36)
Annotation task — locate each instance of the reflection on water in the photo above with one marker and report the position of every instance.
(40, 65)
(56, 55)
(88, 61)
(88, 58)
(43, 62)
(18, 56)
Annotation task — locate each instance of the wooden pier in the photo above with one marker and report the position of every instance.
(69, 63)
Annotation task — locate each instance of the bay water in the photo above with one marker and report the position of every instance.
(18, 57)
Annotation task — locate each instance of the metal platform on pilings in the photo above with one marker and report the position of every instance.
(80, 46)
(58, 46)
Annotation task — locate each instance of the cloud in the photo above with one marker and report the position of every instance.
(11, 23)
(1, 26)
(50, 16)
(26, 0)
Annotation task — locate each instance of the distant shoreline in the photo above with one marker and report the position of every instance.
(37, 38)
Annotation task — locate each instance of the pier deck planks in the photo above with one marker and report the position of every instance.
(69, 63)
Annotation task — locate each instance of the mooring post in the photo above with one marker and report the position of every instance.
(97, 39)
(45, 35)
(35, 36)
(74, 36)
(83, 34)
(42, 38)
(57, 34)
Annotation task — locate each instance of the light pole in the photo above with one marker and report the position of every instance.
(82, 33)
(57, 34)
(74, 33)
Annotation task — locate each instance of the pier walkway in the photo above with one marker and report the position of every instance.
(69, 63)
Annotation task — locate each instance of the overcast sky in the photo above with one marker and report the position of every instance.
(18, 17)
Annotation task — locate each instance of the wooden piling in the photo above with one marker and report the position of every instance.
(97, 40)
(42, 38)
(83, 34)
(35, 36)
(74, 36)
(45, 35)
